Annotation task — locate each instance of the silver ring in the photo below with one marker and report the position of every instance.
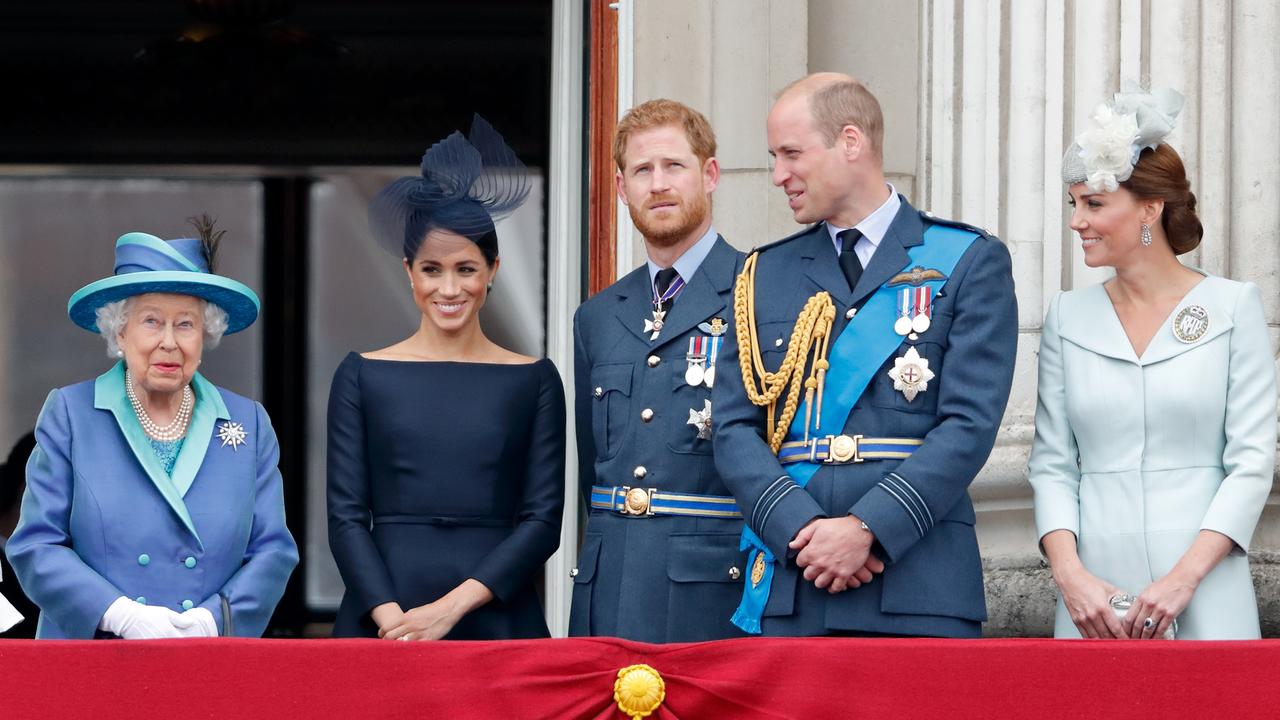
(406, 637)
(1148, 624)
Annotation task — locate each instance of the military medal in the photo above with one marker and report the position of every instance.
(1190, 324)
(701, 420)
(709, 377)
(911, 374)
(924, 308)
(696, 358)
(902, 325)
(654, 326)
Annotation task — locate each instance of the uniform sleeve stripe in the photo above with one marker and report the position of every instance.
(911, 495)
(777, 500)
(910, 511)
(777, 486)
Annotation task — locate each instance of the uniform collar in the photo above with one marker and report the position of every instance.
(687, 264)
(874, 226)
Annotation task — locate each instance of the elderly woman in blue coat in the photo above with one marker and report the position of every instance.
(154, 507)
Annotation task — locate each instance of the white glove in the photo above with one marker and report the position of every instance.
(196, 622)
(135, 621)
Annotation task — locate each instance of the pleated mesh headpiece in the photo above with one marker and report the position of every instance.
(467, 184)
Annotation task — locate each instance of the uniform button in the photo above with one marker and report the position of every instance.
(573, 573)
(639, 472)
(654, 361)
(734, 573)
(599, 392)
(189, 562)
(646, 414)
(140, 600)
(777, 343)
(187, 604)
(848, 314)
(144, 559)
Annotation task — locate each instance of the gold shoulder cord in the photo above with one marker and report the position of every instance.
(810, 336)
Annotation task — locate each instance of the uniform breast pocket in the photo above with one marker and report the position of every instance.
(688, 417)
(918, 377)
(611, 393)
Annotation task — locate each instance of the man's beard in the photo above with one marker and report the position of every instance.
(671, 231)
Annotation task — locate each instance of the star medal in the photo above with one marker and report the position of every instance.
(924, 309)
(696, 358)
(1190, 324)
(911, 374)
(231, 433)
(902, 325)
(654, 326)
(701, 420)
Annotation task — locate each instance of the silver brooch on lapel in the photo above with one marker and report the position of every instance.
(231, 433)
(1191, 324)
(911, 374)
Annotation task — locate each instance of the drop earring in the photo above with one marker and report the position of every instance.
(1146, 234)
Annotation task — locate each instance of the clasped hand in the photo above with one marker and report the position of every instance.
(425, 622)
(134, 621)
(836, 553)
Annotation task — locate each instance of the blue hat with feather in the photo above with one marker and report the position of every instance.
(147, 264)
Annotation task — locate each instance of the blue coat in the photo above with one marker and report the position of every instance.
(932, 584)
(659, 578)
(101, 519)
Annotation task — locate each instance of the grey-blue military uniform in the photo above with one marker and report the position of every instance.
(663, 564)
(918, 507)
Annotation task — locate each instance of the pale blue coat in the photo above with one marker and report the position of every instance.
(101, 519)
(1137, 455)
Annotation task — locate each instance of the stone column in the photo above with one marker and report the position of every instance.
(727, 59)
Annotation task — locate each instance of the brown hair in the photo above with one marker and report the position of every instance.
(661, 112)
(847, 102)
(1159, 174)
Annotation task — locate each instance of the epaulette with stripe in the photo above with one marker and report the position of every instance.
(934, 219)
(775, 243)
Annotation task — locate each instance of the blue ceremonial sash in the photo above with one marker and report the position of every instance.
(855, 357)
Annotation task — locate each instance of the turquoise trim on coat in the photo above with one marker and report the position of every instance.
(108, 394)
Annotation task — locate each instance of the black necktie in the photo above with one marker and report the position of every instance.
(662, 282)
(850, 265)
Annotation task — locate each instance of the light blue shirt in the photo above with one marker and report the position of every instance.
(873, 228)
(687, 264)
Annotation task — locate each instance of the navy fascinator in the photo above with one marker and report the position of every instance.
(467, 184)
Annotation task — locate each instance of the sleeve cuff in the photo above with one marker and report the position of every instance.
(782, 510)
(896, 514)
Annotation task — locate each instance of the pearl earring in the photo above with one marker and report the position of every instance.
(1146, 234)
(119, 353)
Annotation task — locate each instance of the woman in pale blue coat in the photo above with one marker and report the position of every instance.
(1156, 422)
(153, 506)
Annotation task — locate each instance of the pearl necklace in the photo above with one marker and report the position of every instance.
(173, 430)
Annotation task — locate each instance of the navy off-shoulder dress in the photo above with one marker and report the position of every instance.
(439, 472)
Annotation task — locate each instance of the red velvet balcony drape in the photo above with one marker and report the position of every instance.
(570, 679)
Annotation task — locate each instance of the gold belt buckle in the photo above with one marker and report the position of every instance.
(843, 448)
(637, 500)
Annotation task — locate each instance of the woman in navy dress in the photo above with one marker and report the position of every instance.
(446, 451)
